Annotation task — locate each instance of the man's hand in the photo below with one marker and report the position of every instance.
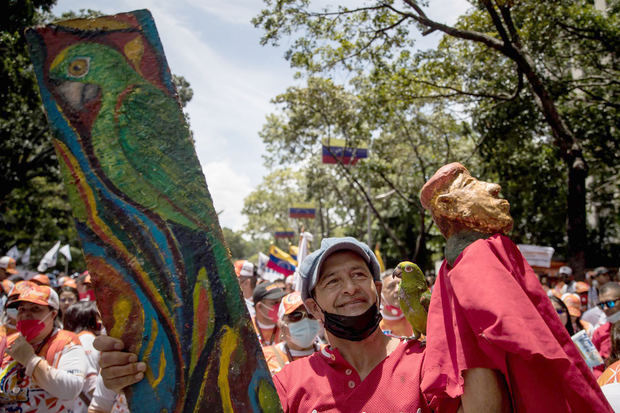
(119, 369)
(21, 351)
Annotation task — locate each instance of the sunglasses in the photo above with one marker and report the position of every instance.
(608, 304)
(559, 311)
(296, 316)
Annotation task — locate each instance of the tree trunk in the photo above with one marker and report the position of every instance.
(576, 216)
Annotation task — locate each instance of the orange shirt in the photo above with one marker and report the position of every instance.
(396, 326)
(279, 355)
(610, 375)
(266, 336)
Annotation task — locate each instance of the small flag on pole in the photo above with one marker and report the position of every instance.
(306, 210)
(284, 233)
(335, 150)
(280, 261)
(66, 251)
(49, 259)
(14, 253)
(26, 257)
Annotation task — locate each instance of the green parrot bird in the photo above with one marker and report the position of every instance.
(137, 127)
(413, 295)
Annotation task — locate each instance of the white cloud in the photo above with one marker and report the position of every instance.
(228, 188)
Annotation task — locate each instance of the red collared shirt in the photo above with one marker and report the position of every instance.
(326, 382)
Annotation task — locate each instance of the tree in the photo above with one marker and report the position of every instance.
(525, 40)
(406, 146)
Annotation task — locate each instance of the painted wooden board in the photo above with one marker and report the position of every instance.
(163, 277)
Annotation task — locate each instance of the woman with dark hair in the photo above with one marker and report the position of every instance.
(83, 318)
(68, 296)
(562, 311)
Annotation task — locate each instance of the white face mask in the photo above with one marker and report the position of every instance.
(303, 332)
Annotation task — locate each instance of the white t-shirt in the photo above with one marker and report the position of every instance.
(106, 400)
(92, 371)
(64, 383)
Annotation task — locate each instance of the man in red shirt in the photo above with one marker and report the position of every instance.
(362, 369)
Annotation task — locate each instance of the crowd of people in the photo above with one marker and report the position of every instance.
(48, 325)
(498, 337)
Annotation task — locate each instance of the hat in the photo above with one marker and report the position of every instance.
(573, 303)
(290, 303)
(267, 291)
(440, 181)
(581, 287)
(244, 268)
(27, 291)
(8, 264)
(310, 269)
(69, 282)
(41, 279)
(565, 270)
(600, 271)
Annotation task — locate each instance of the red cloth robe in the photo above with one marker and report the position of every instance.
(490, 311)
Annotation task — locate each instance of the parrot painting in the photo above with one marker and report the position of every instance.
(162, 273)
(413, 295)
(143, 154)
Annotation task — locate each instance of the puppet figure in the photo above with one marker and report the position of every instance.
(489, 314)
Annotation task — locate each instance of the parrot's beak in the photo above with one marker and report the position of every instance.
(397, 273)
(76, 94)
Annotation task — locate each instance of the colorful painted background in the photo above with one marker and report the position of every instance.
(163, 277)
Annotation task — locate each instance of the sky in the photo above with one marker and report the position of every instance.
(216, 48)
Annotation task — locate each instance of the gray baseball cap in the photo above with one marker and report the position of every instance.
(310, 268)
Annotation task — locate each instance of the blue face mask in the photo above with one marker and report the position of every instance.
(303, 332)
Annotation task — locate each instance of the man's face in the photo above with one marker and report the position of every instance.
(610, 296)
(602, 278)
(389, 291)
(346, 286)
(475, 205)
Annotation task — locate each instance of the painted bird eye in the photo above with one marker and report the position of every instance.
(408, 268)
(79, 67)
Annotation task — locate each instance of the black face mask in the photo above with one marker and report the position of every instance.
(353, 328)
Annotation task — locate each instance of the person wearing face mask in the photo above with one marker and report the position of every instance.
(298, 330)
(43, 366)
(267, 297)
(609, 302)
(85, 287)
(394, 322)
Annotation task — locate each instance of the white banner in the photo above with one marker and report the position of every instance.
(537, 256)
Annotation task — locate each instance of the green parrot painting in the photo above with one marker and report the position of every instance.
(140, 139)
(413, 295)
(149, 232)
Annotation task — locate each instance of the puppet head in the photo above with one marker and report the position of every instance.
(459, 202)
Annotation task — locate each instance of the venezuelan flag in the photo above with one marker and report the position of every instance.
(336, 149)
(284, 233)
(280, 261)
(306, 210)
(293, 251)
